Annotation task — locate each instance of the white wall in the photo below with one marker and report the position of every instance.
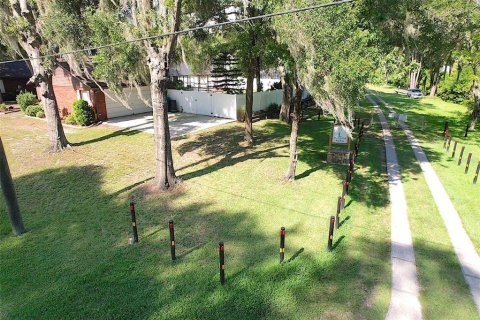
(206, 103)
(135, 104)
(197, 102)
(261, 100)
(220, 104)
(224, 105)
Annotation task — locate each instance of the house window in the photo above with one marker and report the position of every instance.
(84, 95)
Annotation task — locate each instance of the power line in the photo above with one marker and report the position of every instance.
(217, 25)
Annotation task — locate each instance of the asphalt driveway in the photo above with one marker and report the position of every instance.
(180, 123)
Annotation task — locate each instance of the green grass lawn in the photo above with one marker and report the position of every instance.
(75, 263)
(440, 275)
(459, 186)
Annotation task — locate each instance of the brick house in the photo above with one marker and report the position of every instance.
(14, 78)
(69, 87)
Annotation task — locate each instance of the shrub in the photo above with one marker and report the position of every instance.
(69, 119)
(83, 113)
(276, 86)
(456, 88)
(273, 110)
(241, 114)
(33, 110)
(25, 99)
(3, 107)
(179, 85)
(40, 114)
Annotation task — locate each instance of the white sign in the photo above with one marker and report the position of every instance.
(340, 134)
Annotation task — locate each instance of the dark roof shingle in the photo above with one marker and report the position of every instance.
(17, 69)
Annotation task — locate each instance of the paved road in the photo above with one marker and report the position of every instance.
(404, 303)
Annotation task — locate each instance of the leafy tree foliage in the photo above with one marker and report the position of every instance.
(332, 53)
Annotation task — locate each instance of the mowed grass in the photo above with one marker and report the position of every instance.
(440, 274)
(459, 186)
(75, 263)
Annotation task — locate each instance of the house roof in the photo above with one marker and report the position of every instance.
(84, 79)
(17, 69)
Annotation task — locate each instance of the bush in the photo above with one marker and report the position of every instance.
(241, 114)
(40, 114)
(179, 85)
(26, 99)
(456, 90)
(273, 110)
(3, 107)
(33, 110)
(83, 113)
(276, 86)
(69, 119)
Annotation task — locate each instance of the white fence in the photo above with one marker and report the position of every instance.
(197, 102)
(206, 103)
(220, 104)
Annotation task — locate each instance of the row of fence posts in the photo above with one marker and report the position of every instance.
(334, 220)
(447, 140)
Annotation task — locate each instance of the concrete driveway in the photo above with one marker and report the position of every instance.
(180, 123)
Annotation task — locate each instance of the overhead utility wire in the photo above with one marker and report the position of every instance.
(265, 16)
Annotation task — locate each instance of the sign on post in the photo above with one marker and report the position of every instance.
(402, 118)
(340, 134)
(339, 146)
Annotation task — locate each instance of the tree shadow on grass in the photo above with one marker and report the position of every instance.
(130, 131)
(313, 146)
(224, 146)
(75, 261)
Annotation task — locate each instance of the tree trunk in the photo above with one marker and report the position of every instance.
(58, 140)
(459, 71)
(415, 74)
(249, 102)
(258, 68)
(411, 84)
(159, 57)
(165, 172)
(31, 41)
(474, 120)
(433, 90)
(287, 96)
(413, 80)
(436, 79)
(9, 193)
(475, 90)
(297, 109)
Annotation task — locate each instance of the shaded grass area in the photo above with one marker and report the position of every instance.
(440, 274)
(459, 186)
(75, 263)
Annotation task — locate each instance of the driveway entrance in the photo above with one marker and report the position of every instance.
(180, 123)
